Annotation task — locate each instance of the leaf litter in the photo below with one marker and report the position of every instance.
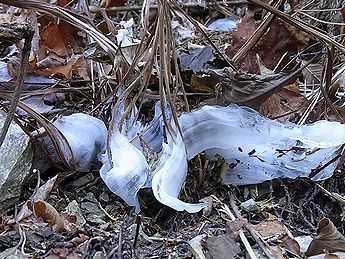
(136, 104)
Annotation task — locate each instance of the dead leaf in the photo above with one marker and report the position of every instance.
(244, 88)
(197, 59)
(48, 213)
(42, 193)
(331, 256)
(63, 3)
(325, 256)
(285, 105)
(245, 28)
(280, 39)
(52, 40)
(79, 239)
(62, 253)
(222, 247)
(290, 245)
(209, 206)
(328, 238)
(51, 60)
(202, 83)
(59, 38)
(271, 228)
(76, 65)
(274, 230)
(232, 227)
(276, 252)
(112, 3)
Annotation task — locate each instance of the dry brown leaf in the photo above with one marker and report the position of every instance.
(328, 238)
(232, 227)
(52, 40)
(270, 228)
(112, 3)
(222, 247)
(276, 252)
(79, 239)
(48, 213)
(63, 3)
(299, 37)
(274, 229)
(290, 245)
(51, 60)
(286, 105)
(59, 38)
(327, 255)
(62, 253)
(76, 65)
(64, 71)
(81, 68)
(244, 88)
(202, 83)
(245, 28)
(42, 193)
(281, 39)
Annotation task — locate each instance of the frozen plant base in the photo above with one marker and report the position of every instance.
(86, 136)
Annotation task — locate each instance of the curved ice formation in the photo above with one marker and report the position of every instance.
(169, 178)
(259, 149)
(255, 148)
(129, 171)
(126, 173)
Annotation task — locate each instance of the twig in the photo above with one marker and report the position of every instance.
(244, 239)
(165, 239)
(256, 36)
(250, 229)
(333, 195)
(119, 250)
(300, 25)
(106, 213)
(27, 35)
(137, 230)
(320, 21)
(94, 9)
(174, 5)
(316, 171)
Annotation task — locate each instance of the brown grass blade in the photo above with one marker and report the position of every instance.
(300, 25)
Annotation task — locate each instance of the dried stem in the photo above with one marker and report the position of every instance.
(250, 228)
(27, 35)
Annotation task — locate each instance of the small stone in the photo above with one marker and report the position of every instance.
(94, 189)
(90, 197)
(16, 154)
(99, 255)
(88, 178)
(104, 197)
(97, 221)
(250, 206)
(13, 253)
(74, 209)
(93, 213)
(304, 242)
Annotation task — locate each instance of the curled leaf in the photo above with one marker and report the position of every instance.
(48, 213)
